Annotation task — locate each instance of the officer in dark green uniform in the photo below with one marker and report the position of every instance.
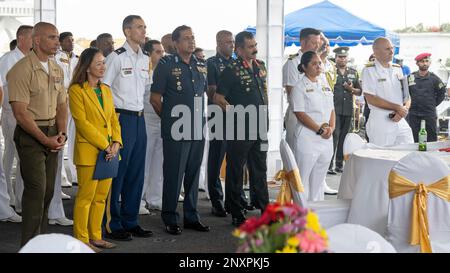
(243, 85)
(427, 91)
(180, 79)
(347, 86)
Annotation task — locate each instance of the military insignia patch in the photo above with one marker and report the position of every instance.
(201, 69)
(411, 80)
(176, 72)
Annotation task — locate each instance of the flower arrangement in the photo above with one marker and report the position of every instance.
(284, 228)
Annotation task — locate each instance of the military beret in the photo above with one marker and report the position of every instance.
(422, 56)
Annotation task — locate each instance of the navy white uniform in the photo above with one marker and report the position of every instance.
(290, 77)
(56, 208)
(181, 84)
(5, 210)
(153, 178)
(8, 122)
(385, 83)
(68, 63)
(312, 152)
(128, 74)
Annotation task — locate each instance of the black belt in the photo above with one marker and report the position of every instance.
(128, 112)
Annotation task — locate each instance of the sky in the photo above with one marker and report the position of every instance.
(88, 18)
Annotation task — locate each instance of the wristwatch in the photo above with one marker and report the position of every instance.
(320, 132)
(65, 135)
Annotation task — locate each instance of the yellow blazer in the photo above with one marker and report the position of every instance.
(93, 123)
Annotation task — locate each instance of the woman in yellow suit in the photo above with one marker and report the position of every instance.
(97, 128)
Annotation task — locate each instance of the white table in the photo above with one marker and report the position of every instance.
(365, 182)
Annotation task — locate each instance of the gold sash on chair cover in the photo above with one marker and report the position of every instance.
(399, 185)
(288, 178)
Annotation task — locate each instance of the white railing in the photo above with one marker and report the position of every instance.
(16, 9)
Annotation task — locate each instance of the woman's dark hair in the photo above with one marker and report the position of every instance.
(306, 59)
(80, 73)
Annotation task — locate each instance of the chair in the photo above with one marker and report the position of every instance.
(55, 243)
(419, 180)
(352, 143)
(350, 238)
(330, 212)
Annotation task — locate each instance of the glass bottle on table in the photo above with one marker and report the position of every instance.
(422, 137)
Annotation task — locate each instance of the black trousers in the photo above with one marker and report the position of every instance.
(182, 159)
(239, 153)
(343, 124)
(431, 127)
(216, 155)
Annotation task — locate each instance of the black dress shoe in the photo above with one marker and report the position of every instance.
(238, 221)
(119, 235)
(339, 169)
(140, 232)
(198, 226)
(218, 211)
(330, 171)
(173, 229)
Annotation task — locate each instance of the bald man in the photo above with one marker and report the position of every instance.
(385, 88)
(39, 103)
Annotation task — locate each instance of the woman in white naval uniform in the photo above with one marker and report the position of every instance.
(313, 105)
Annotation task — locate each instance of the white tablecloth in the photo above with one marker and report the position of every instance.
(365, 182)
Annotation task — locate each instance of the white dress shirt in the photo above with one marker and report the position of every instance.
(128, 75)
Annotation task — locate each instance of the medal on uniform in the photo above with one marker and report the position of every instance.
(262, 73)
(247, 89)
(179, 88)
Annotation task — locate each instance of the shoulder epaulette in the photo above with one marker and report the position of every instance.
(396, 65)
(165, 59)
(145, 52)
(211, 59)
(371, 64)
(120, 50)
(293, 56)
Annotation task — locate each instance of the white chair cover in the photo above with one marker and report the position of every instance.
(289, 163)
(352, 143)
(330, 212)
(351, 238)
(419, 167)
(55, 243)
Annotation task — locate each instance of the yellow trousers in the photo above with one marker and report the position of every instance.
(89, 205)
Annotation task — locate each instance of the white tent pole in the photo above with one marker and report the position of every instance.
(270, 38)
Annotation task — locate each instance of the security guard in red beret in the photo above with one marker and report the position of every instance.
(427, 92)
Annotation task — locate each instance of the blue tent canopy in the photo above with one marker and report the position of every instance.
(339, 26)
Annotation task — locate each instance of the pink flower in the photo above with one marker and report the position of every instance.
(311, 242)
(286, 229)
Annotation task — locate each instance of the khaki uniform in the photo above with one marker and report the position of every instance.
(30, 83)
